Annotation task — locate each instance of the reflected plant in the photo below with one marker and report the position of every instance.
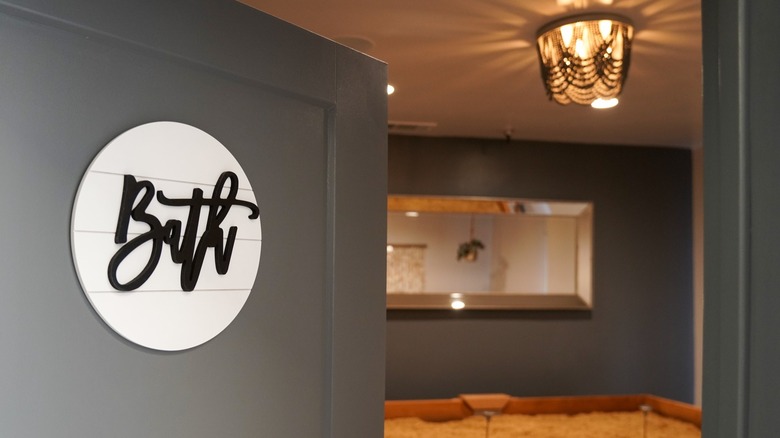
(468, 250)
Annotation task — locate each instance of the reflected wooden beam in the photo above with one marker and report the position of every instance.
(447, 205)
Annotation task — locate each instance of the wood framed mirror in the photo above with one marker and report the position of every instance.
(489, 253)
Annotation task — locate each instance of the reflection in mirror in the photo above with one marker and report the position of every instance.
(486, 253)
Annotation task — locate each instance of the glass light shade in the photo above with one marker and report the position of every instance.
(585, 58)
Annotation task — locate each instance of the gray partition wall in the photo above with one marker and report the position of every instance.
(741, 388)
(306, 119)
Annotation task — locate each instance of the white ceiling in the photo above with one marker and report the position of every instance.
(471, 66)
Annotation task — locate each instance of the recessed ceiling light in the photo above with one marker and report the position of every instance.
(412, 214)
(604, 103)
(390, 89)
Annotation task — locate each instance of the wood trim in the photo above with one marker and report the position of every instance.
(483, 403)
(675, 409)
(428, 410)
(573, 405)
(446, 205)
(459, 408)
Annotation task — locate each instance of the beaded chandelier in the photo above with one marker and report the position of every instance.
(585, 58)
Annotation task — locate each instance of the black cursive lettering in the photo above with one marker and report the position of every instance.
(185, 248)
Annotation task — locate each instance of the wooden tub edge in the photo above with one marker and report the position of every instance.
(457, 409)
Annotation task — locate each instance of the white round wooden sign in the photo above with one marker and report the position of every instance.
(166, 236)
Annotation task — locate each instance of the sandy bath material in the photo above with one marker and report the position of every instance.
(413, 427)
(591, 425)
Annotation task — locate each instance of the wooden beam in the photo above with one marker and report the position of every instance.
(446, 205)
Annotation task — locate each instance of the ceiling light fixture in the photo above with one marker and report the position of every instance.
(585, 57)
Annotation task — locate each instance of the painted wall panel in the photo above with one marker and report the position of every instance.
(74, 75)
(741, 358)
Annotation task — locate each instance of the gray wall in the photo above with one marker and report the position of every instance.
(742, 207)
(639, 336)
(305, 118)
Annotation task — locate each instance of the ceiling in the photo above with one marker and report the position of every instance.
(471, 68)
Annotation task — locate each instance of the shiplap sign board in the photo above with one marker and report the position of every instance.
(166, 236)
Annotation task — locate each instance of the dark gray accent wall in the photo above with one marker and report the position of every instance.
(639, 336)
(307, 121)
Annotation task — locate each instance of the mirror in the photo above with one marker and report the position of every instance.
(488, 253)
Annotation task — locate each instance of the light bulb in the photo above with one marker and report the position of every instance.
(567, 32)
(605, 28)
(604, 103)
(582, 47)
(579, 49)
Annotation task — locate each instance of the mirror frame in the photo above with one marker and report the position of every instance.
(581, 299)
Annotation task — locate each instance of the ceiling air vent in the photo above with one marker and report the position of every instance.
(396, 127)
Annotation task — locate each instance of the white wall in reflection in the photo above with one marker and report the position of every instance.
(522, 254)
